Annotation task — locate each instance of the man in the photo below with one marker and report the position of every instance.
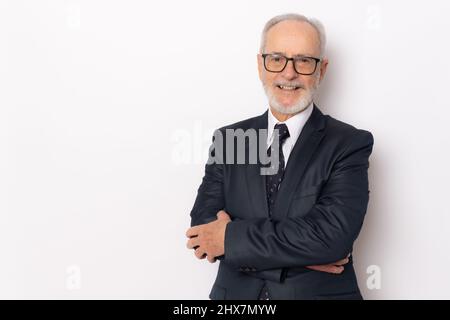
(287, 234)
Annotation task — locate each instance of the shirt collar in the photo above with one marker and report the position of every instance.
(295, 124)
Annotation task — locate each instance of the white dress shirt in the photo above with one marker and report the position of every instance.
(295, 126)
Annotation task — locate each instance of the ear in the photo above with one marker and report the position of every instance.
(260, 65)
(323, 68)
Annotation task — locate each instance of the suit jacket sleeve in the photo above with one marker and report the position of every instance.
(325, 235)
(210, 197)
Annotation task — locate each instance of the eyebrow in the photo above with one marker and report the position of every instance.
(296, 55)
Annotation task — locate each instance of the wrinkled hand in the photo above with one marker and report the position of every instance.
(336, 268)
(208, 239)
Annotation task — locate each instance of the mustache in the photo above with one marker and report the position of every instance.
(289, 84)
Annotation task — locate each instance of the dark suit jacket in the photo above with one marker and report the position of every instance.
(318, 214)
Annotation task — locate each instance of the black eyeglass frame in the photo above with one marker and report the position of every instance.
(317, 60)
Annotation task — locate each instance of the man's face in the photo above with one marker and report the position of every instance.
(291, 38)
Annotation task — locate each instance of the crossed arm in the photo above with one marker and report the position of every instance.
(323, 237)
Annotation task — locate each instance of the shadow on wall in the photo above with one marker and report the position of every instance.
(366, 251)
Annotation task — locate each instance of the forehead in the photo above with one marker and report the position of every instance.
(293, 37)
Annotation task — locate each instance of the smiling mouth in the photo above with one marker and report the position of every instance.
(288, 88)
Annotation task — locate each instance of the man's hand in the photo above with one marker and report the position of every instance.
(208, 240)
(336, 268)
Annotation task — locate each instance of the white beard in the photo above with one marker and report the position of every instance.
(300, 105)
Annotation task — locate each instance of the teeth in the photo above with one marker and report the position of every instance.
(287, 87)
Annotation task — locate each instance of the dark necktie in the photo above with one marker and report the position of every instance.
(273, 181)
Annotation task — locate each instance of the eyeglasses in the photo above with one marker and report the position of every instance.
(275, 62)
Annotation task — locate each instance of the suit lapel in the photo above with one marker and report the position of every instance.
(256, 183)
(304, 148)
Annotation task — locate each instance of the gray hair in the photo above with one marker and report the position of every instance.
(316, 24)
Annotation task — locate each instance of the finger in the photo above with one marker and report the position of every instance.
(328, 268)
(321, 268)
(211, 259)
(222, 215)
(338, 269)
(192, 243)
(342, 262)
(192, 232)
(200, 253)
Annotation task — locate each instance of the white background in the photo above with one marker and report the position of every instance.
(106, 113)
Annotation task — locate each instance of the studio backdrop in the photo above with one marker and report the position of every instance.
(107, 110)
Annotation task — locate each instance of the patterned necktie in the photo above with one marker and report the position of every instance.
(273, 184)
(273, 181)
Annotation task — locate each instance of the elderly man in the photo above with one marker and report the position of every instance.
(287, 234)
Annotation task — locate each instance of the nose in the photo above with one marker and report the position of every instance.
(289, 72)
